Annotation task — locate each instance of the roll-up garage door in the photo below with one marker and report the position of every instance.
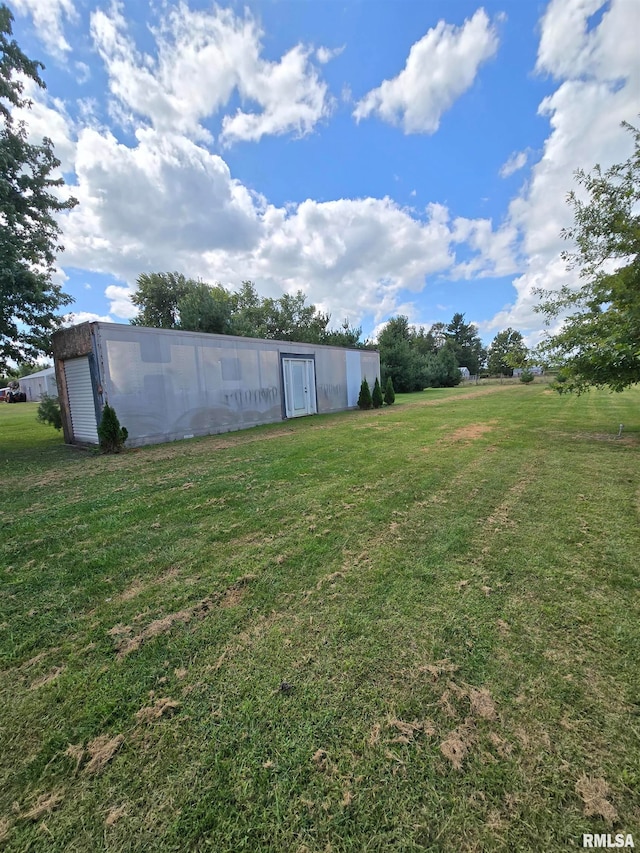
(81, 404)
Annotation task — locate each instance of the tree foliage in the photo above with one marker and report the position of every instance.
(376, 395)
(205, 309)
(400, 361)
(506, 351)
(466, 344)
(389, 393)
(414, 359)
(157, 298)
(172, 301)
(49, 411)
(364, 397)
(442, 369)
(112, 436)
(599, 341)
(29, 200)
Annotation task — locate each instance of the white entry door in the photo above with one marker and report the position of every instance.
(299, 386)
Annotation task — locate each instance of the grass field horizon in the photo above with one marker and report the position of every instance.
(407, 629)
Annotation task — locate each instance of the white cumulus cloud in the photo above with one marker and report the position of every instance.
(598, 71)
(120, 301)
(48, 117)
(48, 20)
(517, 161)
(440, 67)
(168, 203)
(203, 58)
(77, 317)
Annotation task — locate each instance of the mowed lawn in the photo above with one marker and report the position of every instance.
(410, 629)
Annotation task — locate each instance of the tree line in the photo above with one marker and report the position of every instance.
(172, 301)
(417, 359)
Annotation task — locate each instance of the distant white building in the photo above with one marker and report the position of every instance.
(464, 372)
(537, 370)
(37, 384)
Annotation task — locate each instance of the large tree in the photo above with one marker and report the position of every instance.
(205, 309)
(599, 341)
(400, 360)
(157, 299)
(466, 343)
(506, 351)
(29, 200)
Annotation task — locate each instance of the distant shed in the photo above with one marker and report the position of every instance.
(536, 370)
(167, 385)
(37, 384)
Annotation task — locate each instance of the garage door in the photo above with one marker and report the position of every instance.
(81, 404)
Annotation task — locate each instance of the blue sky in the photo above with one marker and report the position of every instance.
(384, 156)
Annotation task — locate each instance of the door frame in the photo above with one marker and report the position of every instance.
(314, 391)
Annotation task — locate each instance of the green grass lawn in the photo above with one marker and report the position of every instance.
(410, 629)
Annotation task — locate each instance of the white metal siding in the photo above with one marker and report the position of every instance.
(81, 404)
(354, 377)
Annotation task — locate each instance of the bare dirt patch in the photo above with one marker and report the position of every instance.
(502, 746)
(469, 433)
(445, 704)
(407, 731)
(5, 828)
(34, 660)
(138, 586)
(594, 793)
(374, 736)
(115, 814)
(482, 705)
(126, 642)
(76, 753)
(46, 679)
(321, 760)
(232, 597)
(331, 578)
(43, 805)
(160, 708)
(130, 592)
(235, 593)
(439, 668)
(455, 747)
(102, 749)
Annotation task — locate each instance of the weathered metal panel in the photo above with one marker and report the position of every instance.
(167, 385)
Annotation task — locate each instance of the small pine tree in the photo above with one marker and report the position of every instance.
(112, 436)
(364, 399)
(376, 395)
(526, 376)
(49, 411)
(389, 393)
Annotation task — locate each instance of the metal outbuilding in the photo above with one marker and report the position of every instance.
(166, 385)
(36, 384)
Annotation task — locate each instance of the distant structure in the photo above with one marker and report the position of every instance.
(464, 372)
(537, 370)
(36, 384)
